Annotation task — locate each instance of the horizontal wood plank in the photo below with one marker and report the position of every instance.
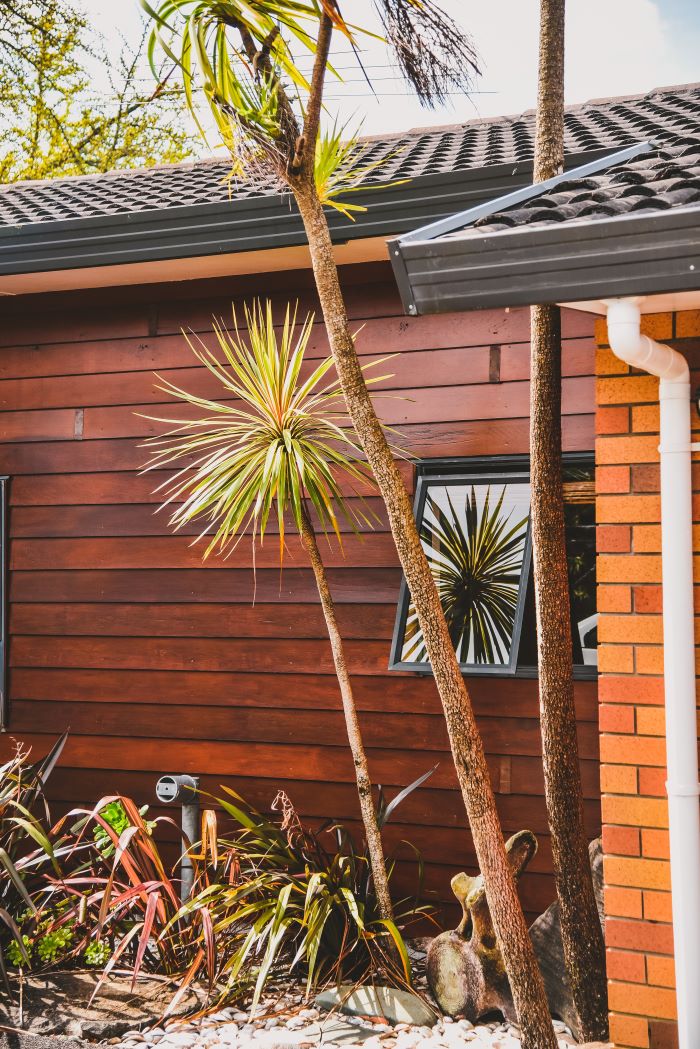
(158, 664)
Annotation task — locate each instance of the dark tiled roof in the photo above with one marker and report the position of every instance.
(667, 115)
(667, 178)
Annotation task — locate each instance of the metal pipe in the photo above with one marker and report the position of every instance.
(184, 789)
(190, 833)
(682, 787)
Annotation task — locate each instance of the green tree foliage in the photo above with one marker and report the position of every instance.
(54, 120)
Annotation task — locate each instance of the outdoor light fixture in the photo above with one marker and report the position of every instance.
(184, 789)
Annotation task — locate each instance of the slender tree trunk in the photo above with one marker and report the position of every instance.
(375, 847)
(584, 949)
(467, 748)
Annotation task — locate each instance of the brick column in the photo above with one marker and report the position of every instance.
(638, 934)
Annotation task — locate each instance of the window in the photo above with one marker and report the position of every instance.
(4, 708)
(474, 522)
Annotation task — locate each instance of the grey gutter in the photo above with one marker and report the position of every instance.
(439, 270)
(567, 262)
(250, 224)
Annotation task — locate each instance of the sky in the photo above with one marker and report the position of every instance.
(614, 47)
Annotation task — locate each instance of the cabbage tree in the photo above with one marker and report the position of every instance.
(245, 58)
(582, 936)
(274, 450)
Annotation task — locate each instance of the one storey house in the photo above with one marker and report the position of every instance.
(114, 628)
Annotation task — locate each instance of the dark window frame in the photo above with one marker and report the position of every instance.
(466, 470)
(4, 545)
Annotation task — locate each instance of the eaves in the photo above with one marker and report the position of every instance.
(252, 224)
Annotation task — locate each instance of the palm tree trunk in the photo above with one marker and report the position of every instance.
(584, 948)
(467, 747)
(373, 836)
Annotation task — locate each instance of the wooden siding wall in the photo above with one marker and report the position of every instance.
(158, 664)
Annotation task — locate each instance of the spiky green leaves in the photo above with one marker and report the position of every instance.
(476, 556)
(278, 439)
(338, 170)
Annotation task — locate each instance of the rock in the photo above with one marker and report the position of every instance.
(393, 1005)
(22, 1040)
(57, 1004)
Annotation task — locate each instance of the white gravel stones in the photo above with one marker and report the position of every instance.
(289, 1027)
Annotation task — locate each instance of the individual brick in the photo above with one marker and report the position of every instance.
(616, 598)
(645, 419)
(612, 420)
(642, 1000)
(612, 479)
(616, 718)
(651, 721)
(621, 841)
(634, 811)
(663, 1034)
(615, 659)
(600, 331)
(637, 873)
(613, 539)
(623, 903)
(657, 326)
(647, 599)
(661, 970)
(633, 389)
(645, 477)
(629, 1032)
(647, 539)
(645, 630)
(652, 781)
(626, 568)
(649, 659)
(629, 509)
(607, 363)
(655, 843)
(613, 689)
(687, 324)
(653, 936)
(657, 907)
(626, 965)
(618, 779)
(633, 750)
(620, 450)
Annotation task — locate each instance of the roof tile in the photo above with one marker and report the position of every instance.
(667, 115)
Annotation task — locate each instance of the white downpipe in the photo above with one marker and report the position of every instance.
(679, 647)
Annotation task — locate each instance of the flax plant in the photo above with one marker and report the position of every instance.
(277, 447)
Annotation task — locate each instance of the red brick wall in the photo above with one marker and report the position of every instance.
(639, 935)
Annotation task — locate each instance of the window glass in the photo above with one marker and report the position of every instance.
(474, 525)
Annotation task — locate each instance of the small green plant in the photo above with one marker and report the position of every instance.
(52, 945)
(47, 938)
(97, 953)
(27, 851)
(17, 957)
(115, 815)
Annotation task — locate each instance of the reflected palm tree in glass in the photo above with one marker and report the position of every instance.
(476, 557)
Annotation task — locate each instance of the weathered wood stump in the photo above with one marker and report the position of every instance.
(465, 967)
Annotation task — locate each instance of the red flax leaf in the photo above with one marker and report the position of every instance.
(149, 918)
